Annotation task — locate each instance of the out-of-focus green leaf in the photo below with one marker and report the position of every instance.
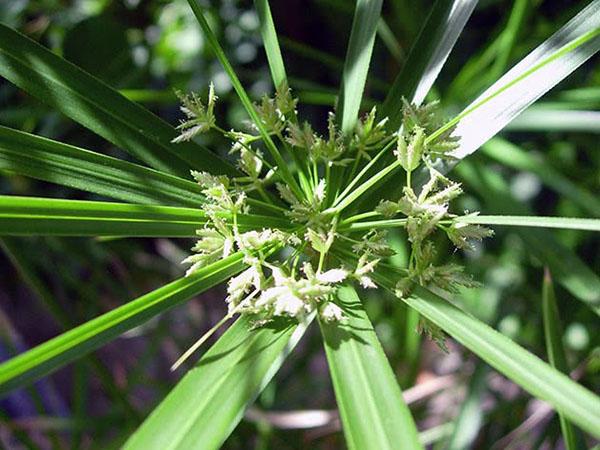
(470, 417)
(33, 279)
(553, 335)
(513, 156)
(111, 59)
(567, 268)
(373, 412)
(545, 119)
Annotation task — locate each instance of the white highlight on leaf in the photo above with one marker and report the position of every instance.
(490, 117)
(455, 22)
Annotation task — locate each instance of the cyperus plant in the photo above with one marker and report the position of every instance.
(297, 225)
(323, 245)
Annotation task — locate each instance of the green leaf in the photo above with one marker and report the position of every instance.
(517, 158)
(22, 216)
(527, 370)
(508, 37)
(269, 37)
(373, 412)
(427, 56)
(48, 160)
(100, 108)
(585, 97)
(540, 71)
(553, 335)
(358, 58)
(545, 119)
(243, 95)
(33, 279)
(210, 400)
(568, 269)
(470, 418)
(79, 341)
(111, 60)
(310, 53)
(572, 223)
(389, 40)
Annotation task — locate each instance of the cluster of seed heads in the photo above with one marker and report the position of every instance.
(295, 269)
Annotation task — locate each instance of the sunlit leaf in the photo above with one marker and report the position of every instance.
(539, 72)
(22, 216)
(428, 55)
(48, 160)
(100, 108)
(373, 412)
(358, 58)
(79, 341)
(210, 400)
(572, 223)
(538, 378)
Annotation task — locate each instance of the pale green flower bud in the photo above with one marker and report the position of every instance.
(409, 155)
(415, 149)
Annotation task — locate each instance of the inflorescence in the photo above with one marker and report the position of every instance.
(294, 270)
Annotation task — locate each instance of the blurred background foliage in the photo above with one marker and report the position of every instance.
(547, 160)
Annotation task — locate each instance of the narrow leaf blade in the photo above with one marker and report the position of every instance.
(373, 412)
(567, 268)
(571, 223)
(79, 341)
(556, 119)
(554, 346)
(470, 417)
(540, 71)
(243, 95)
(100, 108)
(517, 158)
(427, 56)
(358, 58)
(23, 216)
(269, 37)
(210, 400)
(48, 160)
(532, 374)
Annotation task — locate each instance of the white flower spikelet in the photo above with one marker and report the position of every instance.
(332, 276)
(332, 313)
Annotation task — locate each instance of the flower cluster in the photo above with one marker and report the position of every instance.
(294, 270)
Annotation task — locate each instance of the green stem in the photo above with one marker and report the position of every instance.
(268, 205)
(286, 175)
(354, 195)
(321, 261)
(389, 223)
(358, 217)
(361, 174)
